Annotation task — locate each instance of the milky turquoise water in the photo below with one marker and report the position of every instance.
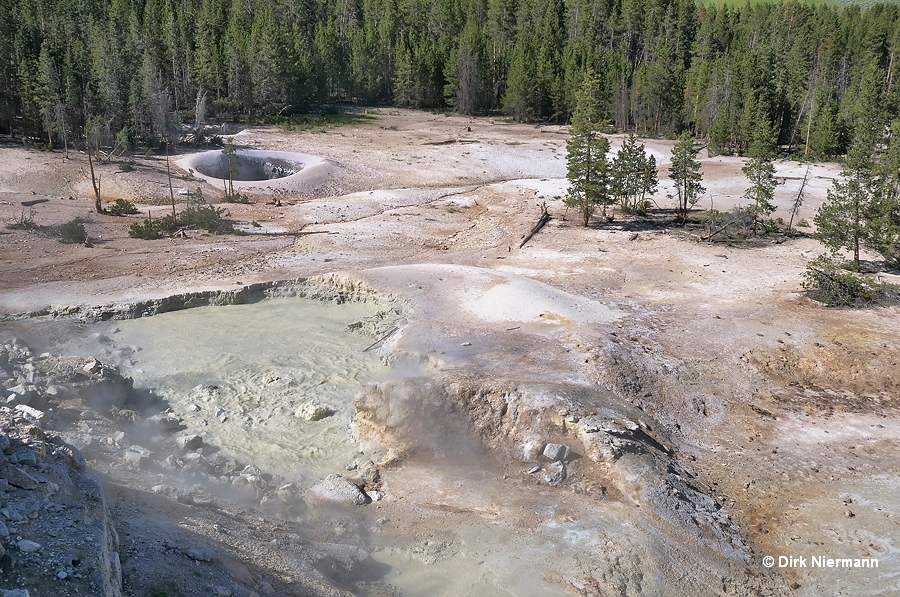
(238, 376)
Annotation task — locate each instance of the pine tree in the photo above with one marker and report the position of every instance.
(848, 218)
(633, 176)
(760, 170)
(685, 173)
(469, 74)
(519, 101)
(586, 149)
(404, 88)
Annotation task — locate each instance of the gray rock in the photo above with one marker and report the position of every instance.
(101, 338)
(73, 457)
(4, 442)
(314, 411)
(199, 554)
(164, 422)
(556, 451)
(14, 399)
(14, 593)
(32, 414)
(20, 390)
(7, 563)
(16, 476)
(336, 489)
(92, 366)
(141, 450)
(12, 513)
(555, 473)
(4, 532)
(189, 442)
(194, 459)
(27, 546)
(26, 457)
(336, 560)
(137, 459)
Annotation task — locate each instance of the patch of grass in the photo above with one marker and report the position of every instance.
(73, 231)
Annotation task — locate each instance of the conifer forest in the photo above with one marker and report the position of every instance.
(135, 70)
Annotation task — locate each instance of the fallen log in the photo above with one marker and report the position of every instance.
(545, 217)
(714, 233)
(34, 202)
(383, 338)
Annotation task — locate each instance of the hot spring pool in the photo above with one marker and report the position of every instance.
(238, 375)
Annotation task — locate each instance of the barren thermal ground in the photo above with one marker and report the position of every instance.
(377, 390)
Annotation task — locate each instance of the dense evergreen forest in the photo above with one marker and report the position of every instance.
(132, 70)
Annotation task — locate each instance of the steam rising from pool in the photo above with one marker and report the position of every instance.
(238, 376)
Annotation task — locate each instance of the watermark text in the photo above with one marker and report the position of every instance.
(818, 562)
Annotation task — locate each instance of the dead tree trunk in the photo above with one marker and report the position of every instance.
(95, 182)
(171, 190)
(798, 201)
(545, 217)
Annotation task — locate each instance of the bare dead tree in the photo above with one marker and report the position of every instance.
(200, 110)
(95, 182)
(92, 144)
(798, 200)
(171, 190)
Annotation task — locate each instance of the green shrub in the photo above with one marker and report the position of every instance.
(126, 166)
(73, 231)
(837, 287)
(255, 224)
(770, 226)
(121, 207)
(198, 215)
(153, 229)
(146, 230)
(209, 218)
(802, 223)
